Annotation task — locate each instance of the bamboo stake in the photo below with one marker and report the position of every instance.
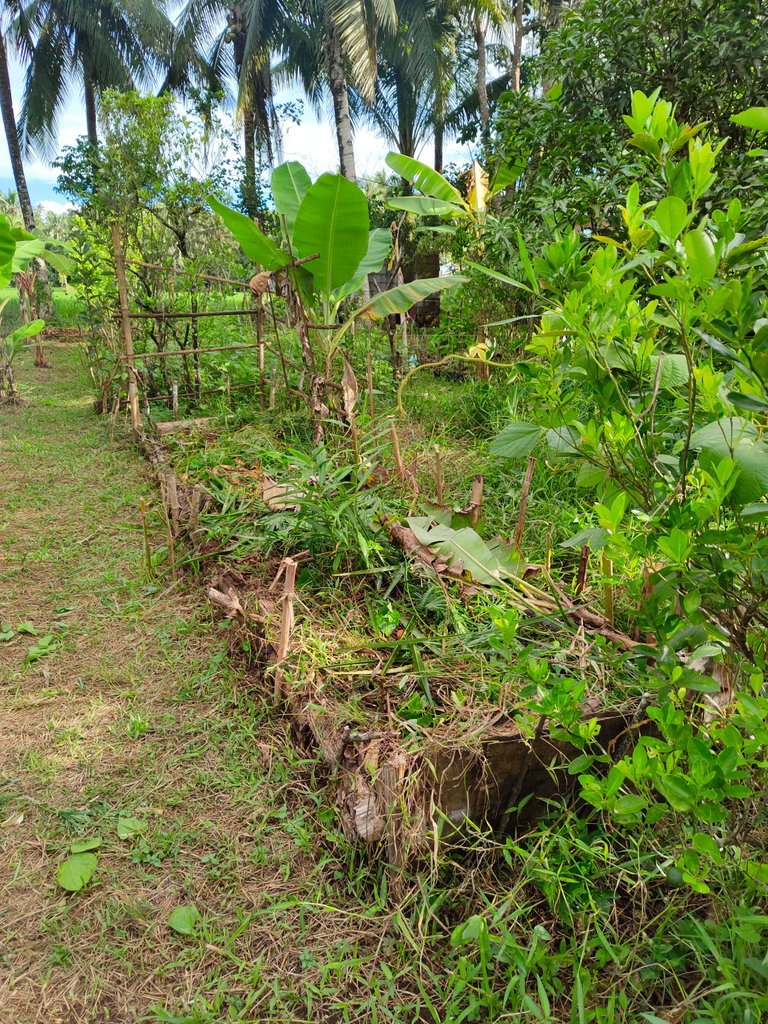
(125, 316)
(286, 624)
(175, 399)
(524, 504)
(581, 576)
(195, 503)
(607, 568)
(147, 549)
(168, 529)
(476, 499)
(173, 500)
(439, 492)
(369, 374)
(260, 337)
(396, 449)
(113, 420)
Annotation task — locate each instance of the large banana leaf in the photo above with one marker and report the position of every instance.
(379, 245)
(424, 178)
(61, 264)
(290, 182)
(256, 246)
(425, 206)
(465, 550)
(25, 252)
(400, 299)
(7, 250)
(333, 222)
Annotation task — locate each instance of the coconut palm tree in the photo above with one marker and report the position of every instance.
(211, 44)
(105, 44)
(334, 48)
(412, 90)
(8, 11)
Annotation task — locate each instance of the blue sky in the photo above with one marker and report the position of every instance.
(313, 142)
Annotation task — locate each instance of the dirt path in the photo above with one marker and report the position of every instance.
(134, 712)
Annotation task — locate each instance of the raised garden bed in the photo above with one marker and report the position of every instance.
(398, 779)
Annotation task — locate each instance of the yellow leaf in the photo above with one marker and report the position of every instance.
(478, 188)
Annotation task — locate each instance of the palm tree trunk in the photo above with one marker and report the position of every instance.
(92, 127)
(12, 137)
(517, 48)
(439, 138)
(249, 154)
(482, 78)
(43, 289)
(337, 81)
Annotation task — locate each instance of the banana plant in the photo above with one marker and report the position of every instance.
(16, 252)
(327, 245)
(439, 198)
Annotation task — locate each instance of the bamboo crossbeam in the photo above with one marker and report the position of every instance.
(190, 273)
(192, 351)
(212, 277)
(193, 315)
(205, 391)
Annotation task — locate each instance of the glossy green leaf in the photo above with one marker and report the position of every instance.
(256, 246)
(426, 179)
(674, 369)
(595, 538)
(290, 182)
(677, 791)
(504, 278)
(400, 299)
(632, 803)
(722, 436)
(507, 174)
(736, 438)
(516, 440)
(669, 218)
(76, 871)
(755, 118)
(700, 251)
(332, 221)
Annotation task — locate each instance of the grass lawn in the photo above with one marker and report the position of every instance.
(124, 723)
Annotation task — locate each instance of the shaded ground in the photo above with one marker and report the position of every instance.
(134, 711)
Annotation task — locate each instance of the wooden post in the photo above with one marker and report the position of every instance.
(122, 287)
(175, 400)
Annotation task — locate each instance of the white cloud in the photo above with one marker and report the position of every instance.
(54, 206)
